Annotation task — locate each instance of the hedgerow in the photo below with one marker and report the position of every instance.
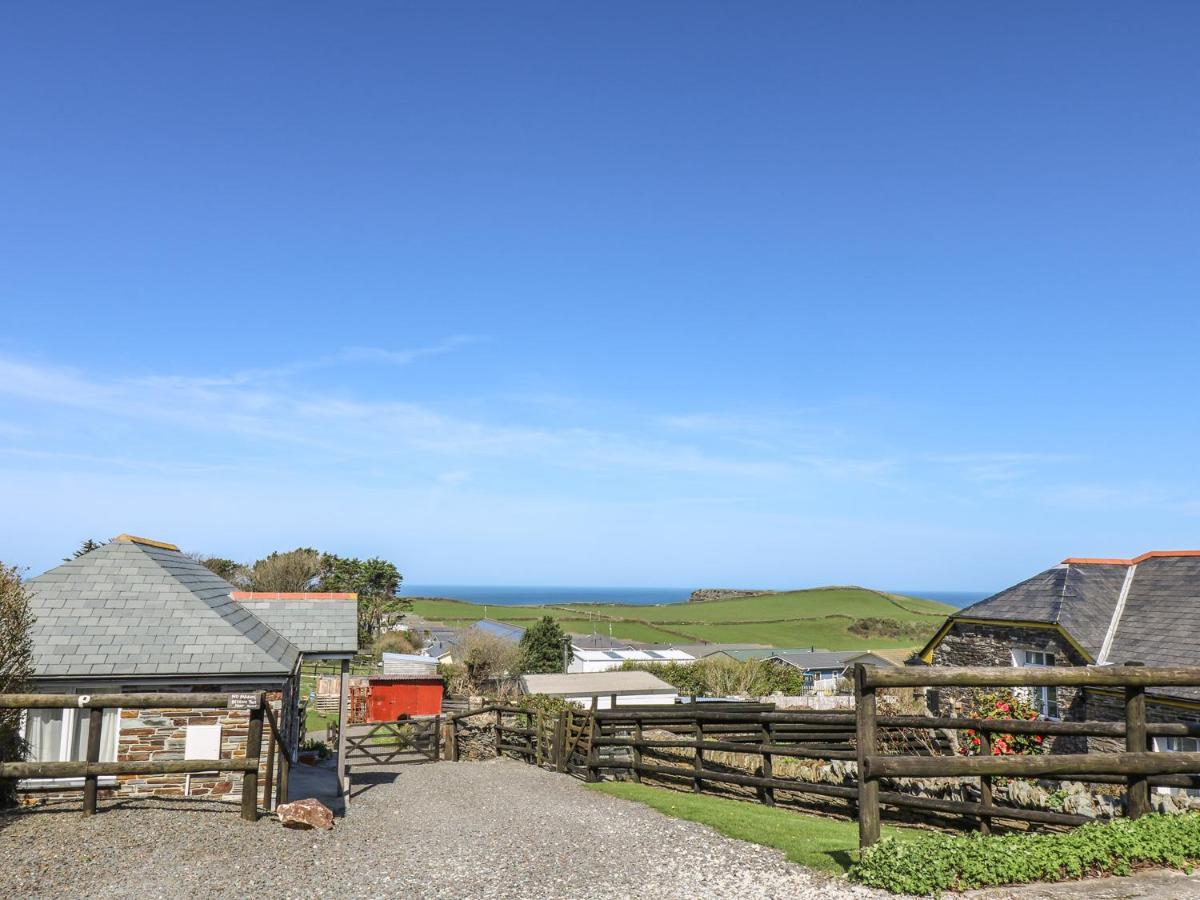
(941, 862)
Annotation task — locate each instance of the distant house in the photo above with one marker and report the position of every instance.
(606, 689)
(598, 642)
(1087, 611)
(443, 644)
(584, 660)
(137, 615)
(823, 669)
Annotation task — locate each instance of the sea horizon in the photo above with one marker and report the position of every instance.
(549, 595)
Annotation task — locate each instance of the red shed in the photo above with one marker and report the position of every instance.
(393, 697)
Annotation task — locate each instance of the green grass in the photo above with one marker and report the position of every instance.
(817, 617)
(827, 844)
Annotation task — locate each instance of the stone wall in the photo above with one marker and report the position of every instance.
(969, 644)
(161, 735)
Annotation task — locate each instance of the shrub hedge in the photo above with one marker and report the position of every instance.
(940, 862)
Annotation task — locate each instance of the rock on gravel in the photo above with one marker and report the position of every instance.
(497, 829)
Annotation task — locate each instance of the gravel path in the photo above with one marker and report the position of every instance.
(498, 829)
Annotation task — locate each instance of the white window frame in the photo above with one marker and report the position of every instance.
(1039, 695)
(70, 715)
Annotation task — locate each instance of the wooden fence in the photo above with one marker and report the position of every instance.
(1136, 768)
(591, 742)
(91, 768)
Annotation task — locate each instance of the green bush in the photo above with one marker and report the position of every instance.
(941, 862)
(719, 676)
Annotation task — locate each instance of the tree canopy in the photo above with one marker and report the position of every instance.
(85, 546)
(376, 581)
(16, 668)
(542, 647)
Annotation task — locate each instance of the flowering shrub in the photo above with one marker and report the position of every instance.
(1002, 705)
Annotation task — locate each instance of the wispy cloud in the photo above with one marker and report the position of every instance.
(1000, 466)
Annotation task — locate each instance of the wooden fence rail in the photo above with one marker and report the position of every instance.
(91, 768)
(654, 742)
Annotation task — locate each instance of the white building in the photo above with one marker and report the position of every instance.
(608, 688)
(584, 660)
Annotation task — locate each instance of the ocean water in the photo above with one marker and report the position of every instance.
(544, 595)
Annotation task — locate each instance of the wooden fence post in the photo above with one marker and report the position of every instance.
(698, 761)
(496, 732)
(560, 742)
(593, 773)
(285, 769)
(865, 743)
(1137, 791)
(768, 771)
(253, 751)
(637, 750)
(90, 782)
(985, 783)
(269, 778)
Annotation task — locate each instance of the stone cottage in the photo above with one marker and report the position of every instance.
(1088, 612)
(137, 615)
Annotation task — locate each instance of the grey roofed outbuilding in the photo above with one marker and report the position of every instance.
(585, 683)
(317, 626)
(134, 608)
(822, 660)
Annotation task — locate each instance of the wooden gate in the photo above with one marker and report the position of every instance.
(394, 743)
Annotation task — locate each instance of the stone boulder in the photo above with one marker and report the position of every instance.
(308, 813)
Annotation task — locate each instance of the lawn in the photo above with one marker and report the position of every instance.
(830, 845)
(818, 617)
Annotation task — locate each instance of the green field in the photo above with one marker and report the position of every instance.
(817, 617)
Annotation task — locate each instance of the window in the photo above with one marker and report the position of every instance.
(1045, 698)
(1177, 745)
(61, 735)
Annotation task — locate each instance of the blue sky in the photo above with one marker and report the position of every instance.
(664, 294)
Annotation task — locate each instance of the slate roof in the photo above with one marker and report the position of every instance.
(1079, 596)
(133, 609)
(502, 630)
(1158, 624)
(315, 625)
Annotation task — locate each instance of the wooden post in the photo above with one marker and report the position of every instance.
(560, 742)
(435, 739)
(538, 729)
(985, 782)
(768, 793)
(637, 750)
(269, 779)
(496, 732)
(698, 760)
(1137, 791)
(593, 773)
(865, 743)
(285, 769)
(343, 724)
(253, 752)
(91, 782)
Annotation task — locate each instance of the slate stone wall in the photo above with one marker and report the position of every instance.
(969, 644)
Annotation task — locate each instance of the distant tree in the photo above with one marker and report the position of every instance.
(294, 571)
(542, 647)
(86, 546)
(232, 571)
(16, 668)
(377, 583)
(487, 659)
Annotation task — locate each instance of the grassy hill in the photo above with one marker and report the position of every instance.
(822, 617)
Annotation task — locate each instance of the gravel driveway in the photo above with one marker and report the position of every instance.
(479, 830)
